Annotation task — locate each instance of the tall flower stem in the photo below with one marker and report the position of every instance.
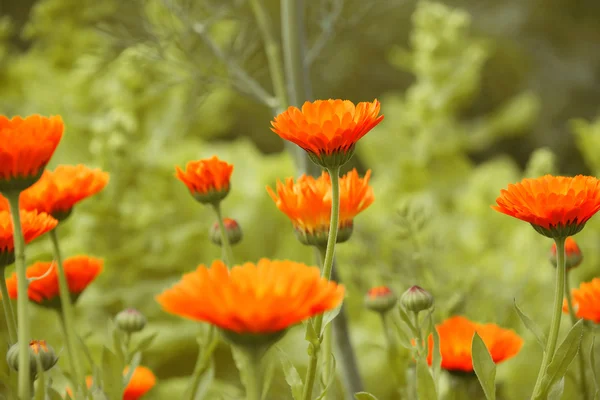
(9, 313)
(311, 372)
(23, 331)
(226, 252)
(580, 355)
(556, 315)
(392, 351)
(254, 380)
(67, 313)
(327, 341)
(202, 365)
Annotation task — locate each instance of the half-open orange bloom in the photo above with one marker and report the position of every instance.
(58, 191)
(207, 180)
(328, 129)
(33, 224)
(456, 336)
(26, 146)
(142, 380)
(556, 206)
(262, 298)
(586, 301)
(79, 270)
(572, 253)
(307, 202)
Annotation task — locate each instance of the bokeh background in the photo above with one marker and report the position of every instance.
(476, 95)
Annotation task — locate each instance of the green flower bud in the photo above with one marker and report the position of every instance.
(380, 299)
(37, 348)
(130, 320)
(232, 228)
(417, 299)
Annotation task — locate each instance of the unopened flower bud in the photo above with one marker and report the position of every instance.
(380, 299)
(572, 252)
(37, 348)
(234, 232)
(417, 299)
(130, 320)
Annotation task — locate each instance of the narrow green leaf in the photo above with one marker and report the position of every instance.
(406, 319)
(364, 396)
(112, 374)
(436, 364)
(484, 367)
(556, 391)
(118, 343)
(425, 384)
(311, 333)
(53, 394)
(531, 326)
(268, 373)
(593, 368)
(292, 377)
(563, 357)
(331, 379)
(86, 351)
(207, 378)
(144, 343)
(330, 316)
(241, 362)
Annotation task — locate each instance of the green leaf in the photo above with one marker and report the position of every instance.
(592, 359)
(331, 379)
(425, 383)
(556, 391)
(118, 343)
(531, 326)
(135, 362)
(484, 367)
(311, 333)
(144, 343)
(292, 377)
(112, 374)
(268, 373)
(207, 378)
(54, 395)
(562, 359)
(364, 396)
(241, 361)
(436, 363)
(404, 316)
(330, 316)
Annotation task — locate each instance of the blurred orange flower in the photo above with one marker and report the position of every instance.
(307, 202)
(572, 252)
(261, 298)
(33, 224)
(328, 129)
(142, 380)
(456, 334)
(58, 191)
(79, 270)
(26, 146)
(556, 206)
(586, 301)
(207, 180)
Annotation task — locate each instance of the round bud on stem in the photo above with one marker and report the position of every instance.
(380, 299)
(37, 348)
(417, 299)
(130, 320)
(572, 252)
(232, 228)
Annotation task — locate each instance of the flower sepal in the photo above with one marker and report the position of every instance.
(333, 160)
(253, 340)
(319, 237)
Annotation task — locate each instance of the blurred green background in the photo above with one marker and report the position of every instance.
(476, 95)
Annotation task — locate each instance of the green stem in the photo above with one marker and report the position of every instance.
(392, 351)
(581, 356)
(202, 364)
(9, 313)
(327, 340)
(557, 313)
(67, 313)
(226, 252)
(254, 380)
(309, 381)
(23, 331)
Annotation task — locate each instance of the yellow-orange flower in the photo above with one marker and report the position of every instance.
(207, 180)
(456, 336)
(262, 298)
(307, 203)
(58, 191)
(328, 129)
(142, 380)
(79, 270)
(572, 252)
(556, 206)
(33, 224)
(586, 301)
(26, 146)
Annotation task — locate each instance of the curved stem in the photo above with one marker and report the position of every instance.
(327, 342)
(226, 252)
(9, 313)
(556, 315)
(581, 356)
(309, 381)
(23, 331)
(202, 364)
(67, 313)
(254, 381)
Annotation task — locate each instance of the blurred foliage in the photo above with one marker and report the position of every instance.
(462, 90)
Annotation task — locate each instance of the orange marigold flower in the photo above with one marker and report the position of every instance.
(556, 206)
(33, 224)
(328, 129)
(142, 380)
(252, 299)
(79, 270)
(307, 203)
(572, 252)
(58, 191)
(586, 301)
(456, 335)
(26, 146)
(207, 180)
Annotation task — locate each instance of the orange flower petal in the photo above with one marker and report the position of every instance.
(586, 301)
(142, 380)
(206, 176)
(33, 224)
(265, 297)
